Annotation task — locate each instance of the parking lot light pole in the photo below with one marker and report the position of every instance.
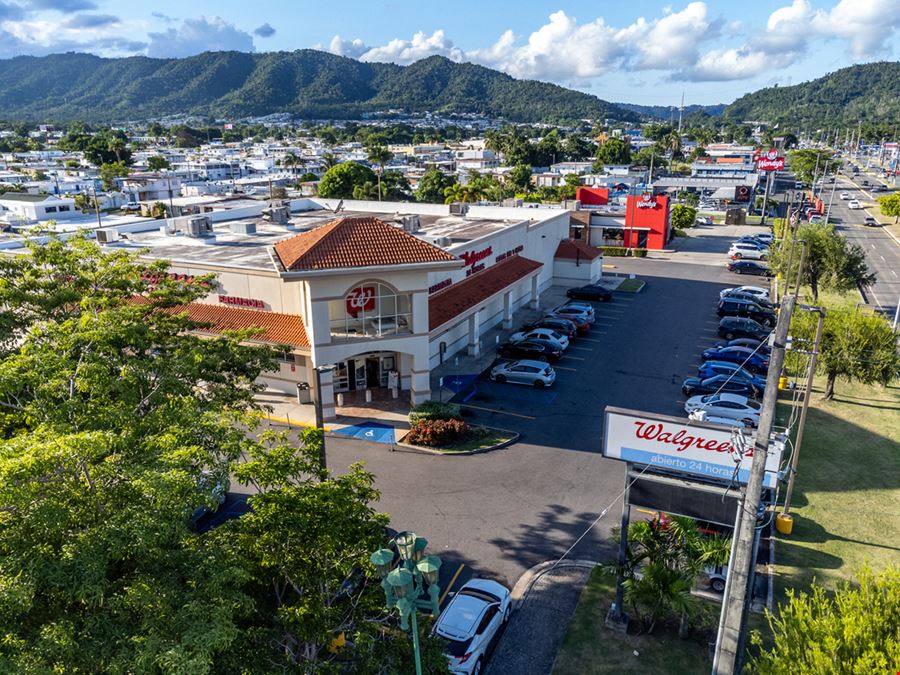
(405, 586)
(320, 418)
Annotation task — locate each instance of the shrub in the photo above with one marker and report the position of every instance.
(433, 410)
(615, 251)
(437, 432)
(639, 252)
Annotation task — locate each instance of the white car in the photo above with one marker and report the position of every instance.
(747, 251)
(702, 416)
(471, 621)
(854, 204)
(845, 195)
(525, 371)
(757, 291)
(541, 334)
(730, 406)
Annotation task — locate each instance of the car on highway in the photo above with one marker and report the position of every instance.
(590, 292)
(732, 327)
(695, 386)
(733, 370)
(471, 623)
(854, 204)
(758, 291)
(749, 250)
(730, 306)
(541, 334)
(561, 326)
(749, 267)
(529, 349)
(525, 371)
(743, 356)
(869, 221)
(845, 195)
(732, 406)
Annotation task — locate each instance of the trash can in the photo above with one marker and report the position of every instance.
(784, 523)
(303, 393)
(783, 384)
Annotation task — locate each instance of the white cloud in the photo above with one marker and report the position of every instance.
(866, 25)
(206, 34)
(419, 47)
(352, 48)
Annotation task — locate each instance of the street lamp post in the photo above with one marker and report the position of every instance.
(320, 417)
(406, 586)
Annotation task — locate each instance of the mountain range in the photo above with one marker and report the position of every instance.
(306, 83)
(667, 112)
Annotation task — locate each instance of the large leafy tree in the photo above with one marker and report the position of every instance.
(157, 163)
(109, 173)
(613, 151)
(432, 185)
(831, 262)
(890, 205)
(854, 630)
(807, 162)
(339, 180)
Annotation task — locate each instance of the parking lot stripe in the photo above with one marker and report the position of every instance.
(450, 585)
(571, 370)
(575, 358)
(494, 410)
(589, 340)
(581, 349)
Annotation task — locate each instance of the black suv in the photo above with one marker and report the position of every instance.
(729, 306)
(732, 327)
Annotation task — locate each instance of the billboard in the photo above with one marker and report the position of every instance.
(770, 161)
(683, 446)
(742, 193)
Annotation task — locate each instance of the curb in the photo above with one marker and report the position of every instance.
(523, 586)
(463, 453)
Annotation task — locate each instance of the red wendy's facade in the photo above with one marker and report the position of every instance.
(647, 222)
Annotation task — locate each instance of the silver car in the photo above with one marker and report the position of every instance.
(535, 373)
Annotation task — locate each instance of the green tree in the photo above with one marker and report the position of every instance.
(157, 163)
(683, 217)
(307, 177)
(576, 148)
(339, 181)
(85, 202)
(571, 183)
(890, 205)
(853, 630)
(804, 163)
(432, 185)
(109, 173)
(854, 346)
(520, 177)
(379, 155)
(612, 151)
(830, 262)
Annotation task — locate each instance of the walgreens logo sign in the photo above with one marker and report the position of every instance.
(360, 299)
(681, 447)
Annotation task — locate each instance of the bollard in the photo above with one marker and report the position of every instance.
(368, 395)
(340, 400)
(394, 392)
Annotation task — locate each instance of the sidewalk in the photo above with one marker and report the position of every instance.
(544, 599)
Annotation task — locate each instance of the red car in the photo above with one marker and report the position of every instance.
(581, 323)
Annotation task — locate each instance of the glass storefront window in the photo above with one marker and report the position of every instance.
(372, 309)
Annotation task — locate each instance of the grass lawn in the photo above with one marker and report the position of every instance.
(888, 221)
(847, 489)
(630, 286)
(590, 647)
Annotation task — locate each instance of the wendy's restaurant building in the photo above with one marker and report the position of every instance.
(643, 222)
(380, 293)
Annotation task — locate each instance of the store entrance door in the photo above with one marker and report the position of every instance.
(373, 373)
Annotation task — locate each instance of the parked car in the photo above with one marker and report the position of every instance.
(215, 489)
(743, 356)
(845, 196)
(585, 307)
(541, 334)
(733, 370)
(471, 622)
(798, 185)
(561, 326)
(590, 292)
(765, 237)
(703, 220)
(816, 218)
(854, 204)
(582, 325)
(755, 345)
(747, 250)
(751, 290)
(738, 295)
(528, 349)
(732, 406)
(535, 373)
(749, 267)
(753, 240)
(729, 306)
(703, 416)
(732, 327)
(694, 386)
(869, 221)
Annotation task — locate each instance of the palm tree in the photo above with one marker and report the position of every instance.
(379, 154)
(329, 160)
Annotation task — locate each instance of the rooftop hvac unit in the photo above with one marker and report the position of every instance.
(242, 228)
(107, 236)
(198, 226)
(411, 223)
(443, 242)
(458, 209)
(277, 214)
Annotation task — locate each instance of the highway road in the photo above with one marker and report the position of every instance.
(882, 250)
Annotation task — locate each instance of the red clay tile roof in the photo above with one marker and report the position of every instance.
(274, 327)
(457, 298)
(575, 249)
(355, 242)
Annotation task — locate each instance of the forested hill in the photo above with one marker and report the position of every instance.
(667, 112)
(306, 83)
(867, 93)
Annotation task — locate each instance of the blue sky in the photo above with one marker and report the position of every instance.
(639, 51)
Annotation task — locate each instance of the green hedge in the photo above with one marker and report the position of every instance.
(434, 410)
(622, 252)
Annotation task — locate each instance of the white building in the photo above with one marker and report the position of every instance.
(31, 208)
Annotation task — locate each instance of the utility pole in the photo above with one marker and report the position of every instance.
(830, 201)
(727, 655)
(97, 206)
(765, 207)
(795, 456)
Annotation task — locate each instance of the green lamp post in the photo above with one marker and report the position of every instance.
(406, 586)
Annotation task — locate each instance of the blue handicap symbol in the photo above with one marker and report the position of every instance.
(456, 383)
(375, 432)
